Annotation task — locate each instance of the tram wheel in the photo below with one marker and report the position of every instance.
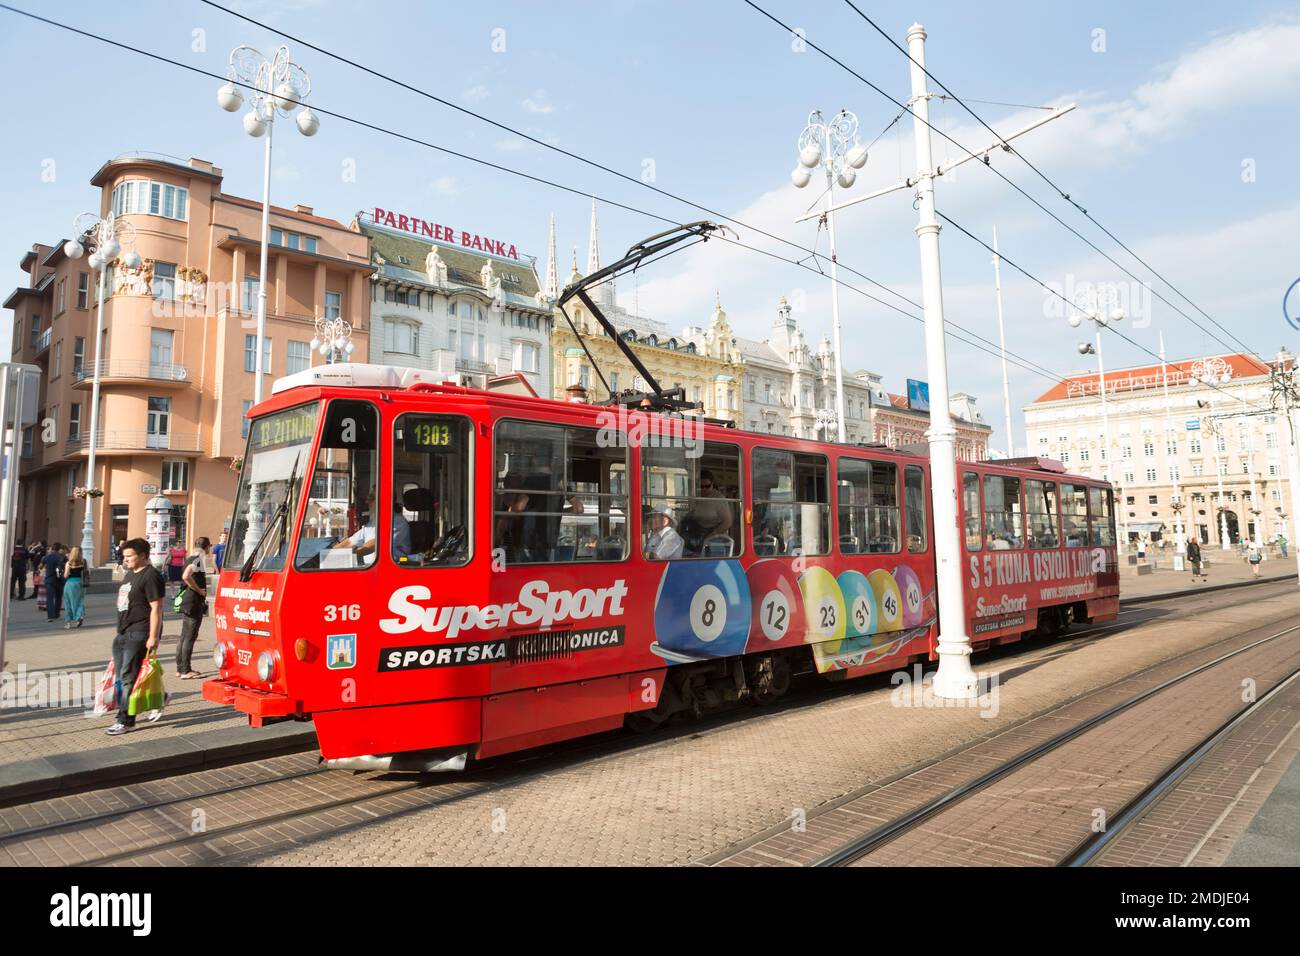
(775, 678)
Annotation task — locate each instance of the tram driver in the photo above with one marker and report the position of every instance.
(363, 541)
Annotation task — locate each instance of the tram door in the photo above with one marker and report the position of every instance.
(344, 529)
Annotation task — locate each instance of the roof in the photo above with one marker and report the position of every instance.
(281, 211)
(464, 268)
(1146, 376)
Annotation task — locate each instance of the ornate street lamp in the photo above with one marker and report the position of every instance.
(107, 239)
(835, 147)
(333, 340)
(277, 86)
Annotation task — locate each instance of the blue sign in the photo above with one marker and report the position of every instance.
(918, 395)
(1193, 424)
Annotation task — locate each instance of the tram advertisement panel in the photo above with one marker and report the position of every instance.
(1006, 588)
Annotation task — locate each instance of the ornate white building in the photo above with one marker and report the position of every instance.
(1225, 430)
(467, 315)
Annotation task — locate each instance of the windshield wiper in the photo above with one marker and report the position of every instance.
(280, 518)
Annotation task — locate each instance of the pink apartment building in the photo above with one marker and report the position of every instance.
(177, 359)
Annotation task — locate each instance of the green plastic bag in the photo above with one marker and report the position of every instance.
(148, 692)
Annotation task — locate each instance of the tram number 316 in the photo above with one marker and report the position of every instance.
(342, 612)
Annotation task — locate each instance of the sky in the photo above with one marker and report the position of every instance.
(1182, 145)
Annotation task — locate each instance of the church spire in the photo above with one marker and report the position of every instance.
(552, 289)
(593, 248)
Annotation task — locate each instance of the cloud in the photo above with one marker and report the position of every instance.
(445, 187)
(515, 144)
(537, 104)
(475, 94)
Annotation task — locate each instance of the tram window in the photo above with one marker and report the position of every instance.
(431, 459)
(914, 500)
(1101, 505)
(792, 513)
(560, 495)
(1003, 517)
(1042, 512)
(273, 472)
(341, 525)
(698, 496)
(1074, 515)
(868, 506)
(971, 509)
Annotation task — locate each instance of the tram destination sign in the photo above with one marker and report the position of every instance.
(284, 428)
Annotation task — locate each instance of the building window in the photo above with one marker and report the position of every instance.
(1151, 474)
(27, 442)
(584, 376)
(83, 290)
(164, 281)
(160, 352)
(333, 305)
(250, 354)
(56, 365)
(1197, 469)
(243, 419)
(175, 476)
(36, 330)
(293, 240)
(160, 413)
(78, 355)
(249, 302)
(401, 337)
(297, 356)
(141, 196)
(1272, 469)
(1195, 445)
(527, 357)
(60, 297)
(74, 421)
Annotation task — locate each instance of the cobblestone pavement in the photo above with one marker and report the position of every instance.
(685, 798)
(37, 650)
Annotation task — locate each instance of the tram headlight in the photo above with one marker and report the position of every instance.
(219, 655)
(265, 666)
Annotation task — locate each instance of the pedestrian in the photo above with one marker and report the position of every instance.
(18, 572)
(219, 550)
(117, 552)
(139, 625)
(194, 606)
(1194, 557)
(1254, 556)
(53, 563)
(75, 578)
(1142, 548)
(1281, 543)
(175, 563)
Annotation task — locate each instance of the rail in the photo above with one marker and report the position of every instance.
(155, 371)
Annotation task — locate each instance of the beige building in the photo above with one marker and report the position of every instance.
(1207, 432)
(179, 346)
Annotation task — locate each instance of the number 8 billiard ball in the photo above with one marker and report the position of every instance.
(703, 608)
(778, 614)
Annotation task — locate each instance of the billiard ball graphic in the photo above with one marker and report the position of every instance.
(777, 618)
(823, 609)
(889, 601)
(859, 603)
(702, 610)
(909, 585)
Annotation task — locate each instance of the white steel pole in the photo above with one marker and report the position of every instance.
(955, 678)
(1180, 542)
(88, 526)
(1249, 453)
(266, 239)
(1105, 423)
(1218, 476)
(835, 301)
(1293, 421)
(1002, 345)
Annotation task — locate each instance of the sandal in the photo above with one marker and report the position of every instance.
(191, 675)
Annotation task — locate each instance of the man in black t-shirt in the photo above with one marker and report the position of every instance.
(139, 624)
(194, 604)
(18, 572)
(52, 564)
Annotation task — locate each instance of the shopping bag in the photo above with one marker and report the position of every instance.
(148, 692)
(106, 695)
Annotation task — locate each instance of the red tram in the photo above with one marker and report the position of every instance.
(432, 573)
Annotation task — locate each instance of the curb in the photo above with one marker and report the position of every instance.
(63, 774)
(1183, 592)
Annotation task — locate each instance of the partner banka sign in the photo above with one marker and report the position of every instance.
(444, 233)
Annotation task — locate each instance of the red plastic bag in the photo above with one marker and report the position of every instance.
(106, 695)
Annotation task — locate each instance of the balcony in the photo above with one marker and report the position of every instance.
(474, 365)
(115, 372)
(136, 442)
(42, 343)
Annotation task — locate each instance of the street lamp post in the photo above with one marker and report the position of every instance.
(277, 86)
(107, 238)
(1002, 346)
(835, 147)
(1214, 372)
(333, 339)
(1176, 499)
(1285, 398)
(1100, 319)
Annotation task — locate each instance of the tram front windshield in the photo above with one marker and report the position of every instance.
(270, 482)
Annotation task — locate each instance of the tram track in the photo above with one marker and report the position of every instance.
(171, 824)
(859, 848)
